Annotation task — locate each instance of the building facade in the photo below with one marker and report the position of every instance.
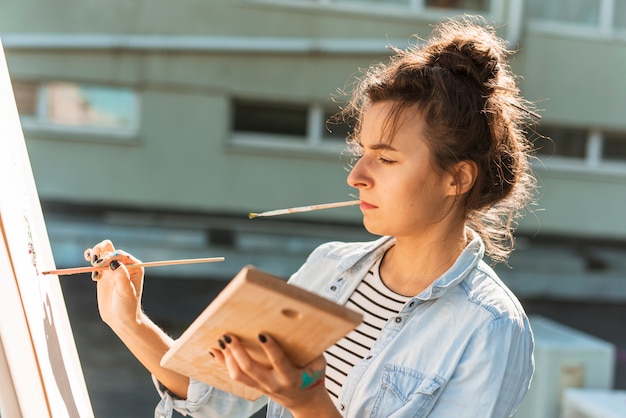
(163, 124)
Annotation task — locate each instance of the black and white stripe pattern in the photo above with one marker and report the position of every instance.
(377, 304)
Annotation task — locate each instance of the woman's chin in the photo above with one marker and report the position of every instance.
(374, 229)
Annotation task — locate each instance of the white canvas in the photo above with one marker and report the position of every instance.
(29, 253)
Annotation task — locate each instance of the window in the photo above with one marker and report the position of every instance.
(585, 12)
(620, 14)
(26, 98)
(394, 7)
(285, 120)
(335, 129)
(581, 148)
(77, 108)
(579, 16)
(562, 142)
(614, 147)
(403, 2)
(286, 126)
(473, 5)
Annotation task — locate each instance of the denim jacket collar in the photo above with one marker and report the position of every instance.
(469, 258)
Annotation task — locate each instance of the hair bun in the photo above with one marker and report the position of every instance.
(468, 61)
(477, 57)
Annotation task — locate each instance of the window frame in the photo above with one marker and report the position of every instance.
(39, 124)
(591, 162)
(605, 29)
(313, 142)
(617, 137)
(415, 9)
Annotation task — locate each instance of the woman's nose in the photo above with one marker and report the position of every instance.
(358, 177)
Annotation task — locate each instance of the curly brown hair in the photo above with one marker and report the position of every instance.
(459, 81)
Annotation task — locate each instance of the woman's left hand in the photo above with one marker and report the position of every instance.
(299, 389)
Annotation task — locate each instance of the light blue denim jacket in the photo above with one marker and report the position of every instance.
(461, 348)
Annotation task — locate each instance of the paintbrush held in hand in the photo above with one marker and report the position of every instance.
(91, 269)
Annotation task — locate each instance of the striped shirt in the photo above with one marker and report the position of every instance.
(377, 303)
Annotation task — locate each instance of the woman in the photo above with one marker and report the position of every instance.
(442, 173)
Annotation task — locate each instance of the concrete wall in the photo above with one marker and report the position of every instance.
(181, 157)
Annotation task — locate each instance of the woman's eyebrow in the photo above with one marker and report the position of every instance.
(382, 146)
(377, 146)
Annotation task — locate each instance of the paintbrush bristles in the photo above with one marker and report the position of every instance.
(300, 209)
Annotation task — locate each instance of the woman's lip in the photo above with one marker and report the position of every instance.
(367, 205)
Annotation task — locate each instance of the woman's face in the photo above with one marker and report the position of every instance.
(401, 193)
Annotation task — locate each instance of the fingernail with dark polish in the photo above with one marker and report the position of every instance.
(95, 258)
(227, 339)
(221, 344)
(262, 338)
(94, 275)
(114, 264)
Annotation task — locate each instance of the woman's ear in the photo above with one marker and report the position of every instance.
(464, 175)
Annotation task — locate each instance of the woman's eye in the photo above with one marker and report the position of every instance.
(385, 160)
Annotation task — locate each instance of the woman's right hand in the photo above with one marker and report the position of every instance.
(119, 303)
(119, 287)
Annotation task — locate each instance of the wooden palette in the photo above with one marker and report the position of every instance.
(303, 323)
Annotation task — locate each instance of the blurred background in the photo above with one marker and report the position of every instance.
(160, 125)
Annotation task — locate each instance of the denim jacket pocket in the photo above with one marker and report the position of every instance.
(405, 392)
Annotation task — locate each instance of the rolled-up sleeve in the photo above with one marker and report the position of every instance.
(204, 401)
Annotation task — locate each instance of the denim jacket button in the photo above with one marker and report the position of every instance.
(333, 288)
(398, 319)
(342, 407)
